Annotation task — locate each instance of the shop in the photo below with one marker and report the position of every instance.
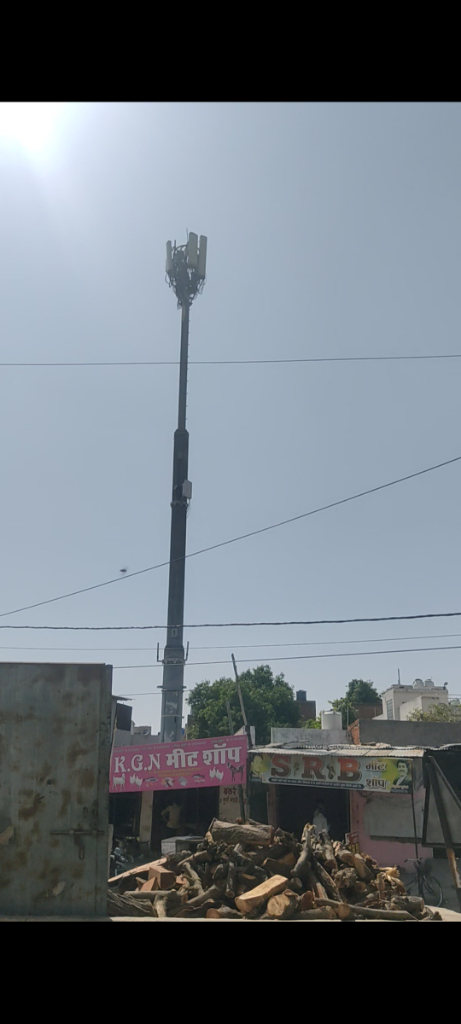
(167, 789)
(377, 794)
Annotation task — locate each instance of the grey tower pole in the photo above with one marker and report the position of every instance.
(185, 267)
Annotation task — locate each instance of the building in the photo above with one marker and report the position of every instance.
(331, 732)
(366, 790)
(307, 708)
(399, 702)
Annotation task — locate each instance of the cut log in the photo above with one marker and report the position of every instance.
(223, 914)
(307, 901)
(262, 893)
(328, 883)
(344, 911)
(346, 878)
(323, 851)
(287, 858)
(232, 880)
(276, 867)
(166, 879)
(250, 835)
(414, 904)
(190, 912)
(221, 871)
(319, 914)
(346, 857)
(367, 912)
(151, 885)
(141, 870)
(361, 868)
(126, 906)
(194, 877)
(202, 857)
(175, 896)
(302, 868)
(284, 905)
(213, 893)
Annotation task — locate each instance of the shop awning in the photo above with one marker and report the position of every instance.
(371, 769)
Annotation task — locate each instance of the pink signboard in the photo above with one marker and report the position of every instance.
(188, 764)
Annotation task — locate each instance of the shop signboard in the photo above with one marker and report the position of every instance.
(187, 764)
(352, 842)
(374, 774)
(229, 803)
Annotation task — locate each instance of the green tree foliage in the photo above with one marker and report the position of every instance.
(359, 691)
(437, 713)
(268, 700)
(312, 723)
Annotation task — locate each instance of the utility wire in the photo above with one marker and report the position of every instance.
(234, 540)
(240, 362)
(224, 625)
(305, 657)
(241, 647)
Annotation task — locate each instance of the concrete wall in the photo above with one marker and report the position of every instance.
(406, 734)
(311, 737)
(400, 694)
(366, 811)
(422, 702)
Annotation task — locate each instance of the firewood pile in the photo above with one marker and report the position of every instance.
(254, 872)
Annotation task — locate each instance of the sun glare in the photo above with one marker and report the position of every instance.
(31, 126)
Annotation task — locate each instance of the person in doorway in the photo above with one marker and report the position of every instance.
(319, 820)
(172, 816)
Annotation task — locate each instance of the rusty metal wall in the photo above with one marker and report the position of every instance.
(55, 744)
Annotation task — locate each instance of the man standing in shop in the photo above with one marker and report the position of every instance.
(172, 816)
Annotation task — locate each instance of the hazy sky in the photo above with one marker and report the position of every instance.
(333, 229)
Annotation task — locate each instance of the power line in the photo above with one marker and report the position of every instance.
(305, 657)
(238, 362)
(234, 540)
(224, 625)
(228, 647)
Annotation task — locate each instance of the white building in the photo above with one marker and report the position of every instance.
(400, 701)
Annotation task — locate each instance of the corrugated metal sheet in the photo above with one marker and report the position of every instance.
(348, 750)
(55, 741)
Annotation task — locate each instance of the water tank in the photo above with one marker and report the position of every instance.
(331, 720)
(418, 684)
(429, 683)
(301, 695)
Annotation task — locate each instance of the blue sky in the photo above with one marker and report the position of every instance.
(333, 229)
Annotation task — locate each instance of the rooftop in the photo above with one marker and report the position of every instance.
(346, 750)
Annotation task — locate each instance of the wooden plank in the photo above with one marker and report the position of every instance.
(166, 879)
(142, 869)
(254, 897)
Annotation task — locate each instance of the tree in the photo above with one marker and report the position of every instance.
(268, 700)
(359, 691)
(312, 723)
(437, 713)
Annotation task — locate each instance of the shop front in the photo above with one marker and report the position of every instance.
(172, 789)
(377, 794)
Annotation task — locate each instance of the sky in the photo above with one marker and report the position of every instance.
(333, 230)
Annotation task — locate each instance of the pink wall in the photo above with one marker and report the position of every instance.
(386, 853)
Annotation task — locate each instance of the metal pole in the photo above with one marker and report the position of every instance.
(173, 661)
(242, 707)
(239, 785)
(415, 834)
(432, 769)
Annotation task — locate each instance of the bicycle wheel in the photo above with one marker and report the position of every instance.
(433, 892)
(413, 887)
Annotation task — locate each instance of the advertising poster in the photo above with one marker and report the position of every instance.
(375, 774)
(188, 764)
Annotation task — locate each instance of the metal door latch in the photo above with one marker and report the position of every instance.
(77, 832)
